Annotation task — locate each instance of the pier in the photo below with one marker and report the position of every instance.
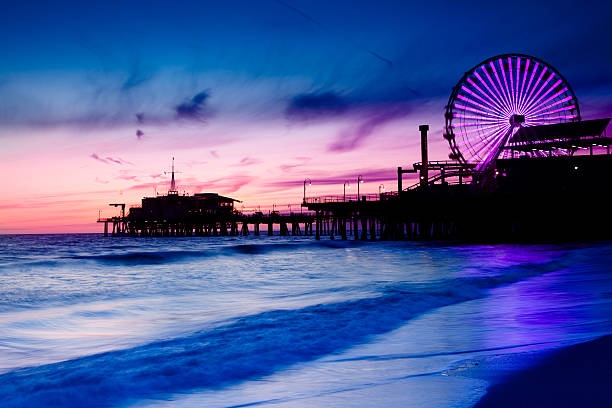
(523, 166)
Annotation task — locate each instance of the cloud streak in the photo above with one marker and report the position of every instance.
(110, 160)
(351, 139)
(247, 161)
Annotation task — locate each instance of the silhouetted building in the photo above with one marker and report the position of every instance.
(174, 206)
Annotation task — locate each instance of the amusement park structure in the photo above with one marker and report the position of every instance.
(523, 165)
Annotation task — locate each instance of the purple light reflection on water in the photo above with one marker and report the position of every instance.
(546, 308)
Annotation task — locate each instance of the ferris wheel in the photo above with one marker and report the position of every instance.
(497, 97)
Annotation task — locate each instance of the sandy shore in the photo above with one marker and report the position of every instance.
(576, 376)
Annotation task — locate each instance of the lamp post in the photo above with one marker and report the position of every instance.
(346, 183)
(359, 180)
(309, 183)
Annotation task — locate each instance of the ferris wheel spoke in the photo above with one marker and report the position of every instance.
(517, 82)
(510, 75)
(483, 140)
(492, 143)
(543, 120)
(535, 98)
(481, 124)
(528, 98)
(492, 96)
(471, 131)
(476, 140)
(523, 90)
(480, 118)
(500, 90)
(503, 71)
(537, 103)
(543, 114)
(497, 95)
(552, 105)
(501, 87)
(470, 109)
(526, 92)
(468, 100)
(475, 95)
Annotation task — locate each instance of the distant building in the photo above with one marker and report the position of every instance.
(181, 207)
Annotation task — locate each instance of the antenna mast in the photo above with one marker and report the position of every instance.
(172, 190)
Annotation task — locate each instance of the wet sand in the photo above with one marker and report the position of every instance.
(576, 376)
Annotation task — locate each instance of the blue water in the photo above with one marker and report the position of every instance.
(281, 321)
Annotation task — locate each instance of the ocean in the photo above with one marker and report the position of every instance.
(285, 321)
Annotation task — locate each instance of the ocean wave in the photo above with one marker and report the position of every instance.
(248, 347)
(161, 257)
(143, 257)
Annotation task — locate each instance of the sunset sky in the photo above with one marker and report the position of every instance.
(250, 97)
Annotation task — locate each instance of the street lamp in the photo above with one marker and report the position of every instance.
(346, 183)
(309, 183)
(359, 180)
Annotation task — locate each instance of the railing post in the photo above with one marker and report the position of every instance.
(424, 176)
(399, 180)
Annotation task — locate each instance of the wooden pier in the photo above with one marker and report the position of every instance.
(233, 224)
(534, 196)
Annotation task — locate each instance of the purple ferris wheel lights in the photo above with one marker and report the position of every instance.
(472, 131)
(535, 86)
(527, 94)
(484, 103)
(517, 82)
(475, 95)
(510, 75)
(536, 104)
(501, 87)
(508, 96)
(545, 103)
(467, 108)
(489, 98)
(468, 100)
(493, 96)
(499, 98)
(535, 101)
(560, 101)
(524, 81)
(480, 118)
(565, 108)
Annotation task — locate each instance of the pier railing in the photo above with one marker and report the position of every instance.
(346, 198)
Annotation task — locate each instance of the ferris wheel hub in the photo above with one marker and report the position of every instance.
(516, 120)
